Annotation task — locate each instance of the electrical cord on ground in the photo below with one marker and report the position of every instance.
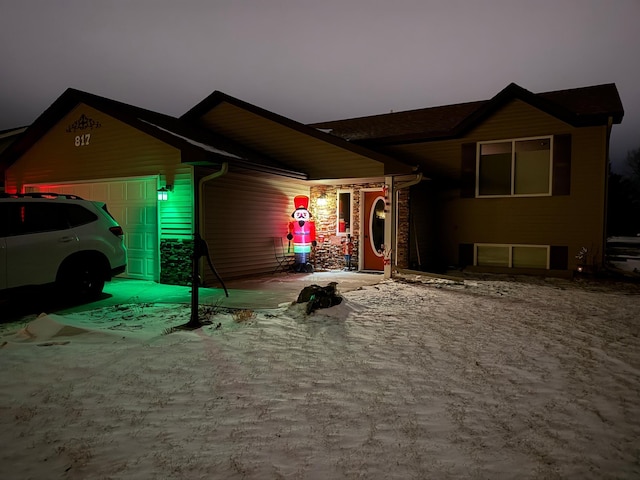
(204, 248)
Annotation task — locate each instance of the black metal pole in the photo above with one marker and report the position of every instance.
(195, 281)
(194, 320)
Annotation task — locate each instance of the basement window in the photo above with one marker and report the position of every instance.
(512, 256)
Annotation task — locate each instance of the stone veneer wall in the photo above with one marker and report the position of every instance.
(176, 261)
(328, 254)
(403, 232)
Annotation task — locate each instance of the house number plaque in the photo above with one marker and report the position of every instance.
(82, 140)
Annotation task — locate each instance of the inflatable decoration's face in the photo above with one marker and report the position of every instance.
(301, 215)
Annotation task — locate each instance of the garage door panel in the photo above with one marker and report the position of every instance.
(150, 265)
(136, 241)
(137, 268)
(151, 216)
(117, 192)
(100, 190)
(137, 191)
(151, 241)
(135, 216)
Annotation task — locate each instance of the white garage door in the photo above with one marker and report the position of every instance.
(133, 203)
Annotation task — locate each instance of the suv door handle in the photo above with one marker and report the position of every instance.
(66, 239)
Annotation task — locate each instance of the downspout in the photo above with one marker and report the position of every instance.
(197, 243)
(392, 239)
(606, 192)
(223, 170)
(410, 183)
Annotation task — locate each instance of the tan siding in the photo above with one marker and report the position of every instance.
(517, 119)
(115, 150)
(176, 214)
(575, 220)
(243, 212)
(319, 159)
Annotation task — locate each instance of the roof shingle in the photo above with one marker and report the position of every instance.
(579, 106)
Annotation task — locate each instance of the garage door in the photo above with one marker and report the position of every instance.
(133, 203)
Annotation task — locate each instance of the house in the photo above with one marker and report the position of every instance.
(516, 183)
(235, 188)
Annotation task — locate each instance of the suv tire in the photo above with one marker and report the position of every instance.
(82, 278)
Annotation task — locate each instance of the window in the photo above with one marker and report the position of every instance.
(492, 255)
(514, 167)
(344, 215)
(78, 215)
(512, 256)
(26, 218)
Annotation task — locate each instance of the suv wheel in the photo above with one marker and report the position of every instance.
(82, 279)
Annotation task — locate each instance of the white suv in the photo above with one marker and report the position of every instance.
(48, 238)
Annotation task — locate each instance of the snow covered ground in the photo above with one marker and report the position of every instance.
(624, 254)
(494, 378)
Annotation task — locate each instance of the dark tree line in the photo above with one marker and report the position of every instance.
(624, 198)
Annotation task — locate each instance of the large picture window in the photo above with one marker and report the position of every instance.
(514, 167)
(512, 256)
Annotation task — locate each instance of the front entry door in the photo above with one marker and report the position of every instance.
(373, 231)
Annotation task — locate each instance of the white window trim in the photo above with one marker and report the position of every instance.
(338, 192)
(510, 247)
(513, 170)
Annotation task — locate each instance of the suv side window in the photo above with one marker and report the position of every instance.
(78, 215)
(25, 218)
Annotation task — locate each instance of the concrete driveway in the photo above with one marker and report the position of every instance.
(268, 291)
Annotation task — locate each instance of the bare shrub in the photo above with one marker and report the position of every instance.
(242, 316)
(206, 312)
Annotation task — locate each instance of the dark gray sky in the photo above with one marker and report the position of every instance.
(316, 60)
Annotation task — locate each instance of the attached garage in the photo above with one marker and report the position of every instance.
(133, 203)
(106, 151)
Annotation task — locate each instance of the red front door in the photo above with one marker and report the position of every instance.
(373, 231)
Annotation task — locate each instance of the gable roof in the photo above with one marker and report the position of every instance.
(11, 132)
(197, 146)
(578, 107)
(319, 154)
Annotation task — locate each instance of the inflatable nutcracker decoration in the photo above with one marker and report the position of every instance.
(302, 231)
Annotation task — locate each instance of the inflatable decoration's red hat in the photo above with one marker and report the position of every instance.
(301, 201)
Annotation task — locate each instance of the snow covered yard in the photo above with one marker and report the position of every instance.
(496, 378)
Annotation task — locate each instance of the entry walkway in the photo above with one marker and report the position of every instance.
(262, 292)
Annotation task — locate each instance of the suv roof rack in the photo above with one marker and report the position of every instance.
(40, 195)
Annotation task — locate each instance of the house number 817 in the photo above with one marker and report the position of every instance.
(82, 140)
